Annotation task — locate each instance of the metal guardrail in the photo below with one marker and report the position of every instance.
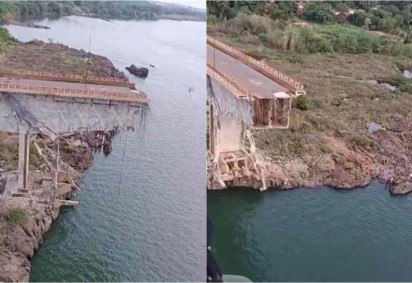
(291, 84)
(227, 83)
(75, 93)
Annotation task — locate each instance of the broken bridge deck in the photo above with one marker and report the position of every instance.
(71, 89)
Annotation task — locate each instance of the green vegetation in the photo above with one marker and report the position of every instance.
(305, 103)
(403, 84)
(140, 10)
(278, 25)
(387, 16)
(319, 13)
(6, 40)
(69, 148)
(16, 216)
(25, 10)
(10, 154)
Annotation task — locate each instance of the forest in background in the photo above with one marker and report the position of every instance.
(126, 10)
(355, 27)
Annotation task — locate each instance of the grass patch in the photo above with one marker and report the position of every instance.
(10, 154)
(298, 124)
(403, 84)
(361, 140)
(16, 216)
(69, 148)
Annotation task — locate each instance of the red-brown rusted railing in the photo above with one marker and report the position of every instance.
(26, 74)
(75, 93)
(227, 83)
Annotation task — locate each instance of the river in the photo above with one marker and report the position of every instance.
(313, 234)
(142, 212)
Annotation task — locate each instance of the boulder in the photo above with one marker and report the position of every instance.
(140, 72)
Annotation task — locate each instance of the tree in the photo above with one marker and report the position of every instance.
(320, 13)
(220, 9)
(283, 10)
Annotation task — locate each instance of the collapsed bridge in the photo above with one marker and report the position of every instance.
(244, 95)
(54, 104)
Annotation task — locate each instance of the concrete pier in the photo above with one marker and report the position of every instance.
(24, 148)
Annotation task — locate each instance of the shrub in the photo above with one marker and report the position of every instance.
(283, 10)
(305, 103)
(319, 13)
(298, 124)
(211, 19)
(16, 216)
(361, 140)
(403, 84)
(310, 42)
(9, 153)
(406, 88)
(69, 148)
(244, 24)
(263, 37)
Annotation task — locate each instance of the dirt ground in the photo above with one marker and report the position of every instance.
(41, 56)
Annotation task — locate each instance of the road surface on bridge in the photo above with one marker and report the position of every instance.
(256, 83)
(70, 89)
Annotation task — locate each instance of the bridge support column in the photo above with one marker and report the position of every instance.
(55, 166)
(24, 147)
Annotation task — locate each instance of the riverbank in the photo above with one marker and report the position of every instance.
(346, 131)
(25, 219)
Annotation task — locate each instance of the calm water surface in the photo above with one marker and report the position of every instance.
(313, 234)
(142, 212)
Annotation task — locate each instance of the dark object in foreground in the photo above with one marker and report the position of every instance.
(213, 271)
(140, 72)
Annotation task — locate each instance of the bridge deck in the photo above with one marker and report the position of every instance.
(256, 83)
(69, 89)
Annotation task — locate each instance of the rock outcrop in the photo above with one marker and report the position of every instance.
(18, 243)
(140, 72)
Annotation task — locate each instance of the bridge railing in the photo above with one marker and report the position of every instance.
(227, 83)
(65, 77)
(75, 93)
(291, 84)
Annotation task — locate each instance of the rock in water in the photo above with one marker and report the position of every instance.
(140, 72)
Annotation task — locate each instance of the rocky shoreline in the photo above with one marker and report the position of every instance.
(341, 165)
(19, 242)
